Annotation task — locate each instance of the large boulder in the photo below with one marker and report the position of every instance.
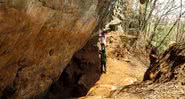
(38, 39)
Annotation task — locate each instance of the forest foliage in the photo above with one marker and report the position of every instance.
(156, 23)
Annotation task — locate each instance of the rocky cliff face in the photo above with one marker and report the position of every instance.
(38, 39)
(80, 75)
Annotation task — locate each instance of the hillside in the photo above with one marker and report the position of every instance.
(50, 49)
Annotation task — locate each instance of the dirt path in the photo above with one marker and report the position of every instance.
(119, 72)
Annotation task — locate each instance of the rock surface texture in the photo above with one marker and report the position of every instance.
(38, 39)
(80, 75)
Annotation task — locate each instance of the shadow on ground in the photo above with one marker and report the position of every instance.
(80, 75)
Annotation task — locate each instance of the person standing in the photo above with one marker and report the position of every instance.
(102, 37)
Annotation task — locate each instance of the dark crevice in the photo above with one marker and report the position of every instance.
(80, 74)
(8, 91)
(179, 60)
(51, 52)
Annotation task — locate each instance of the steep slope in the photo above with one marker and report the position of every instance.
(38, 39)
(164, 80)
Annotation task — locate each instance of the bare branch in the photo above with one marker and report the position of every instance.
(170, 30)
